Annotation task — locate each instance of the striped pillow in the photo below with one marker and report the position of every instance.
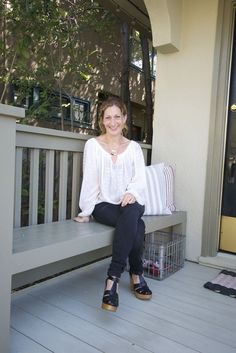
(160, 190)
(169, 187)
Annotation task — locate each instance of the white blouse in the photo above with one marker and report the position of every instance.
(108, 181)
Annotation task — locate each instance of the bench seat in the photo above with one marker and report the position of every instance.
(42, 244)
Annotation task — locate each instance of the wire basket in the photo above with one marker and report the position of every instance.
(164, 254)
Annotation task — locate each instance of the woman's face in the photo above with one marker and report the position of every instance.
(113, 120)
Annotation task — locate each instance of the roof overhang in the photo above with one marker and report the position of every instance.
(133, 12)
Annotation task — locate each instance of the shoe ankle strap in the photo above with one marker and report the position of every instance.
(114, 279)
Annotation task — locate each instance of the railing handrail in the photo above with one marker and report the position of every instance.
(35, 130)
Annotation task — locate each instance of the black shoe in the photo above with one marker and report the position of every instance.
(110, 300)
(141, 289)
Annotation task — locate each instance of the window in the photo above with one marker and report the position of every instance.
(136, 56)
(25, 97)
(81, 112)
(59, 105)
(51, 105)
(72, 108)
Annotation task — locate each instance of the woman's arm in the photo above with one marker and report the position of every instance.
(137, 185)
(90, 184)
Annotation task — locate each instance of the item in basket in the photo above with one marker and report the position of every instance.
(147, 263)
(154, 271)
(151, 267)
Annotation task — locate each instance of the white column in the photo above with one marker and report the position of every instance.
(8, 116)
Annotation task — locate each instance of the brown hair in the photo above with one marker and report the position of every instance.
(109, 102)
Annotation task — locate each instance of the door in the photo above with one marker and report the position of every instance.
(228, 212)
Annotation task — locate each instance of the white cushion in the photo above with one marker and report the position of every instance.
(160, 190)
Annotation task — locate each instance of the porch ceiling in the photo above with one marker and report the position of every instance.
(132, 11)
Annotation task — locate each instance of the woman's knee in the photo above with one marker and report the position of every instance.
(106, 213)
(133, 208)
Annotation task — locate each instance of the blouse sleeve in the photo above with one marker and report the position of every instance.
(90, 186)
(137, 186)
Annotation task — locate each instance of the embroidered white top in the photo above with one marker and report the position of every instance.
(107, 181)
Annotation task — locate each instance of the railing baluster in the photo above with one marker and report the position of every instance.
(33, 194)
(76, 181)
(48, 216)
(18, 187)
(63, 185)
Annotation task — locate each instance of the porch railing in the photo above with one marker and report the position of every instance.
(51, 162)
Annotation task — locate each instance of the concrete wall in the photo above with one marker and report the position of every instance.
(182, 110)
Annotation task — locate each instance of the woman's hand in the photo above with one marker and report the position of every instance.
(127, 199)
(81, 219)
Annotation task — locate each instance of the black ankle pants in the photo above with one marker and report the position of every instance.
(128, 239)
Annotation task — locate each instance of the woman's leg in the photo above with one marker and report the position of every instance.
(128, 241)
(128, 237)
(136, 254)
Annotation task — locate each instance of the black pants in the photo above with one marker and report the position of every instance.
(129, 235)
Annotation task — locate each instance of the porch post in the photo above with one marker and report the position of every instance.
(8, 116)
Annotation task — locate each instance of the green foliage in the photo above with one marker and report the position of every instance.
(41, 44)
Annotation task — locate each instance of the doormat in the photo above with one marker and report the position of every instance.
(223, 283)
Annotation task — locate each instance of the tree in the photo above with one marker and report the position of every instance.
(125, 91)
(41, 46)
(148, 87)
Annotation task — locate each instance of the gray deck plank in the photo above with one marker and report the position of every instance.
(182, 316)
(190, 335)
(21, 343)
(48, 335)
(107, 330)
(176, 325)
(73, 325)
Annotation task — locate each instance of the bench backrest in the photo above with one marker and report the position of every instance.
(48, 174)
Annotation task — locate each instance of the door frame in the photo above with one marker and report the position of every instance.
(217, 131)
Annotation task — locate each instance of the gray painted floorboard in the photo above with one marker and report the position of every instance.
(64, 315)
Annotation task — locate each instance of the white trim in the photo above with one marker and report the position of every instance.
(221, 260)
(217, 136)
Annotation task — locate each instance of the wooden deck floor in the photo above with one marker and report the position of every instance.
(64, 315)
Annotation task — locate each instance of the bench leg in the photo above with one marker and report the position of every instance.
(180, 228)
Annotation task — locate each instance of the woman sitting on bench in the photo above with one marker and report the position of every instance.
(113, 192)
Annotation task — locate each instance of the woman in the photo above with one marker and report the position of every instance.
(113, 193)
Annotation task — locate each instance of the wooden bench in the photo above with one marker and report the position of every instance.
(40, 251)
(43, 244)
